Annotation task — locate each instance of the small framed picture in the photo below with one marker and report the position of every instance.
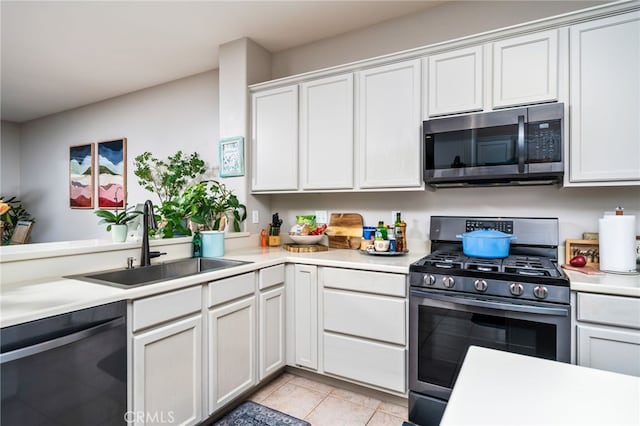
(590, 249)
(232, 157)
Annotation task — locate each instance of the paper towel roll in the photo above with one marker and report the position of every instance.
(617, 243)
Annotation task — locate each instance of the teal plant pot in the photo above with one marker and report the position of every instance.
(212, 243)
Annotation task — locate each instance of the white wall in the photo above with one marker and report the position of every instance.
(164, 119)
(9, 159)
(578, 209)
(436, 24)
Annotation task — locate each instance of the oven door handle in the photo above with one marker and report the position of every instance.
(60, 341)
(521, 158)
(502, 306)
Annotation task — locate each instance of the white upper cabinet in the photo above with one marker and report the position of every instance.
(455, 81)
(326, 133)
(274, 139)
(525, 69)
(389, 141)
(605, 101)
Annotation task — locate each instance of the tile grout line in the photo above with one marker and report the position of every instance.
(316, 406)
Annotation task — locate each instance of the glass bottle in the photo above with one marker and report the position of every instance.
(381, 231)
(197, 245)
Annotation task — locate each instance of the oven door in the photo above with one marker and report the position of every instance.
(442, 326)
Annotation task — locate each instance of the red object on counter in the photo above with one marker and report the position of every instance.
(263, 238)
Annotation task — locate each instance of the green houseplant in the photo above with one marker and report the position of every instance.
(210, 203)
(117, 221)
(167, 179)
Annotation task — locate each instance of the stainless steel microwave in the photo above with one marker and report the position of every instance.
(520, 146)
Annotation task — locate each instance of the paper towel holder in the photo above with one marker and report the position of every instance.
(590, 249)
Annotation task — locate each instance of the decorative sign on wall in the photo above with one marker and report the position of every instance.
(81, 176)
(112, 173)
(232, 157)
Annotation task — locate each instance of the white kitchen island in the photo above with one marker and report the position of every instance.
(502, 388)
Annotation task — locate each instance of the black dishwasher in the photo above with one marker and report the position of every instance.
(69, 369)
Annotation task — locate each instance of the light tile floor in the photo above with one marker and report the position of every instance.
(321, 404)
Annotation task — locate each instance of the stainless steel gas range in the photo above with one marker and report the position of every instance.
(517, 304)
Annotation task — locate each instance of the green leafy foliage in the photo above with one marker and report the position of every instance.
(167, 178)
(15, 213)
(207, 202)
(117, 218)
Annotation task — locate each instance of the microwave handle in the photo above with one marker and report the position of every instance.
(521, 144)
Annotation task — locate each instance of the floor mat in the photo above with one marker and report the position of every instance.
(251, 413)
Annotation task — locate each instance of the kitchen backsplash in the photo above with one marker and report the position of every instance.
(578, 209)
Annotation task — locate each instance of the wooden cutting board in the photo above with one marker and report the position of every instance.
(304, 248)
(345, 230)
(584, 269)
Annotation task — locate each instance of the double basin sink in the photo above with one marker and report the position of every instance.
(144, 275)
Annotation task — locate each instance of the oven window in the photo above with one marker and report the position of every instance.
(489, 146)
(444, 336)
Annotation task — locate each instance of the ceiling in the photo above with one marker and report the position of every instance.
(61, 55)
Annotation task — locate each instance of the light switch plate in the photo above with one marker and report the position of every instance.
(322, 216)
(255, 216)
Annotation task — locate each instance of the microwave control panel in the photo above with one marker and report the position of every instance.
(543, 141)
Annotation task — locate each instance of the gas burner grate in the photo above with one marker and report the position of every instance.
(534, 266)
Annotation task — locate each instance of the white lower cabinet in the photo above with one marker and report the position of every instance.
(232, 340)
(167, 358)
(364, 327)
(271, 310)
(305, 310)
(608, 333)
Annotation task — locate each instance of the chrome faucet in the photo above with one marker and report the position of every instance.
(148, 220)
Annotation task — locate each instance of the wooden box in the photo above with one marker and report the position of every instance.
(590, 249)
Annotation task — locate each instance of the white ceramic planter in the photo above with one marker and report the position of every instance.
(119, 233)
(212, 243)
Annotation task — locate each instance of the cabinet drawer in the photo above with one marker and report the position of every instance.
(371, 316)
(366, 281)
(231, 288)
(368, 362)
(612, 310)
(167, 306)
(268, 277)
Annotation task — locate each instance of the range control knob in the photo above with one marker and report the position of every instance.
(480, 285)
(448, 282)
(516, 289)
(429, 280)
(540, 292)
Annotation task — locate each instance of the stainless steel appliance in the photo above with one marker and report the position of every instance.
(69, 369)
(517, 304)
(508, 147)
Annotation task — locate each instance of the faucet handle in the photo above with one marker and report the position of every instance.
(130, 261)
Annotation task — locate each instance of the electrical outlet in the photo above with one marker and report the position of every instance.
(255, 216)
(322, 216)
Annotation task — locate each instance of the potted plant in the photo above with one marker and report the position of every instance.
(11, 212)
(210, 204)
(167, 179)
(117, 221)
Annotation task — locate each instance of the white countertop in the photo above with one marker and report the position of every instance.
(30, 300)
(621, 285)
(502, 388)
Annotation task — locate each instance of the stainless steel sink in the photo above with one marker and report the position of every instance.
(127, 278)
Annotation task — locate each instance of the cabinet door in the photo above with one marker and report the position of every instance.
(326, 133)
(274, 139)
(306, 315)
(610, 349)
(525, 69)
(167, 373)
(455, 82)
(605, 101)
(232, 350)
(272, 337)
(389, 141)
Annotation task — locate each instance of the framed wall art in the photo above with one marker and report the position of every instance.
(231, 152)
(112, 173)
(81, 176)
